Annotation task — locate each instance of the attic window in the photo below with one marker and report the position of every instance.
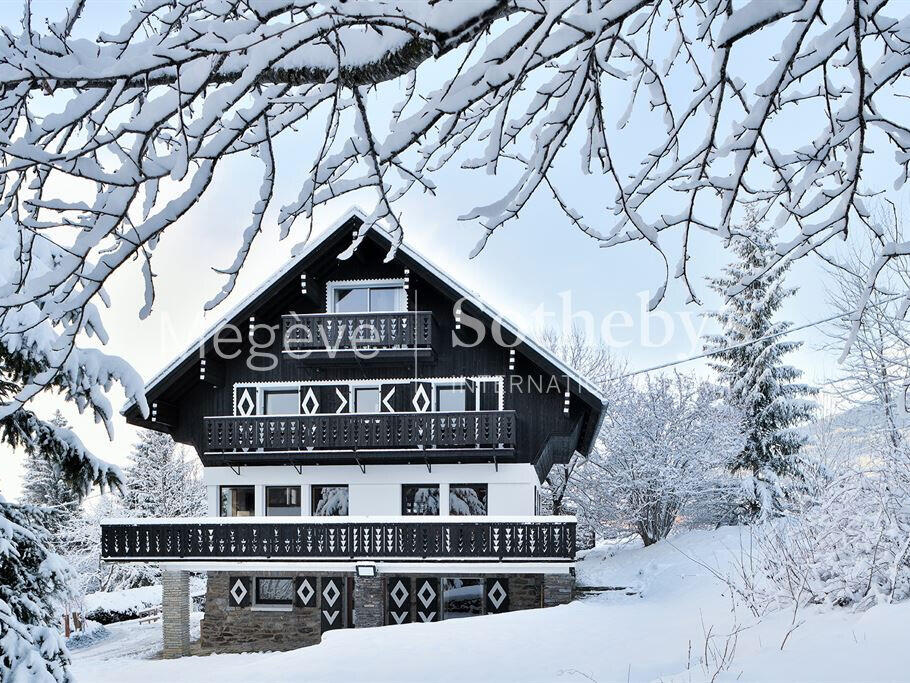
(367, 297)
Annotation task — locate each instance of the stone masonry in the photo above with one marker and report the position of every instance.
(244, 629)
(247, 629)
(558, 589)
(175, 613)
(369, 607)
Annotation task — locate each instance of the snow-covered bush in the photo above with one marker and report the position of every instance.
(661, 458)
(848, 546)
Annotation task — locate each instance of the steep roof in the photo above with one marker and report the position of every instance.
(336, 235)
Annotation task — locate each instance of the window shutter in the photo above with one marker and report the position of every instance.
(421, 397)
(305, 591)
(489, 395)
(390, 396)
(245, 401)
(398, 600)
(334, 398)
(496, 595)
(331, 602)
(239, 591)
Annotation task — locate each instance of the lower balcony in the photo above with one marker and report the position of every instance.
(313, 539)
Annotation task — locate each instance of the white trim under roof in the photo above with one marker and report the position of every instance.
(404, 248)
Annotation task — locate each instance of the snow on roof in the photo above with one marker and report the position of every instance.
(309, 248)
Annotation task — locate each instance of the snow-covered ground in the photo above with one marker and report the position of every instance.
(658, 633)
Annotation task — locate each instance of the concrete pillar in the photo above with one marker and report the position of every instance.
(175, 613)
(367, 601)
(558, 589)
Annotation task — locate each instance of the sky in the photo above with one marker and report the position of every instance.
(536, 263)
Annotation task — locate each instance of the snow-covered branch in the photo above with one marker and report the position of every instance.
(665, 105)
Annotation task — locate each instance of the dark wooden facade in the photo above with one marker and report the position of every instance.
(195, 400)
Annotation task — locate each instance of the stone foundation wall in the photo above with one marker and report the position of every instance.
(244, 629)
(558, 589)
(250, 629)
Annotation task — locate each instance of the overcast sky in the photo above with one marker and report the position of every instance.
(538, 261)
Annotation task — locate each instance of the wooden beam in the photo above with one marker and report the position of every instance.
(163, 413)
(211, 371)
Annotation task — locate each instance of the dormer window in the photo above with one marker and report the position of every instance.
(379, 296)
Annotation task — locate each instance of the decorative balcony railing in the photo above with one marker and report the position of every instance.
(340, 538)
(351, 431)
(357, 331)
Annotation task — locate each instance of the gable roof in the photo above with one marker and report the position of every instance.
(353, 220)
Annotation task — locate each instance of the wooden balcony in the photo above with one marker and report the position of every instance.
(255, 437)
(340, 538)
(364, 335)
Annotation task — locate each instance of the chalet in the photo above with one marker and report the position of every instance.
(374, 439)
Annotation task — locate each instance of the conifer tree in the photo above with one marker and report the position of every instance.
(758, 381)
(160, 480)
(42, 484)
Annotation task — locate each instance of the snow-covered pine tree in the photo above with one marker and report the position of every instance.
(758, 380)
(33, 586)
(42, 484)
(161, 481)
(33, 579)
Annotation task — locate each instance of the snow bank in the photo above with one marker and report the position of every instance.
(658, 634)
(114, 606)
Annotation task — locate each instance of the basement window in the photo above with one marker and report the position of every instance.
(462, 598)
(274, 592)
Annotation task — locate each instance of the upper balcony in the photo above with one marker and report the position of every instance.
(487, 435)
(358, 335)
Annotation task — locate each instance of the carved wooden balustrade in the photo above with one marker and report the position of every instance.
(357, 331)
(551, 539)
(351, 431)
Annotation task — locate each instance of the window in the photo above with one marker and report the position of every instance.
(420, 499)
(364, 298)
(462, 598)
(451, 398)
(274, 591)
(283, 402)
(238, 501)
(366, 400)
(330, 501)
(468, 499)
(282, 501)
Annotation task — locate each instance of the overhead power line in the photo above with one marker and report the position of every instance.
(749, 342)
